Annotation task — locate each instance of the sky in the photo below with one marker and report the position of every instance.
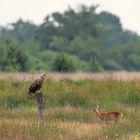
(36, 10)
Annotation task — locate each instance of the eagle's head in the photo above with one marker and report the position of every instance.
(43, 76)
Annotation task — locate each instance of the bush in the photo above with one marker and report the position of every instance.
(95, 66)
(13, 55)
(63, 63)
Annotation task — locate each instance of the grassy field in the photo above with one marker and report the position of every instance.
(68, 110)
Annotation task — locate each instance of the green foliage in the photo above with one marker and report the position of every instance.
(109, 28)
(23, 30)
(36, 64)
(63, 63)
(110, 64)
(13, 57)
(83, 33)
(79, 65)
(95, 66)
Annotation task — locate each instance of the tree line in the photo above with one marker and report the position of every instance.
(75, 40)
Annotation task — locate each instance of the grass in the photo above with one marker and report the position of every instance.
(68, 113)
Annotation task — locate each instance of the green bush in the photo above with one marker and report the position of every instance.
(63, 63)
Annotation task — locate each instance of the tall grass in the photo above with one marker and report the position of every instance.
(69, 114)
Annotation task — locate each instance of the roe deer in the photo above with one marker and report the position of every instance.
(109, 116)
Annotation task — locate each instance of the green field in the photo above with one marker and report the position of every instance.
(69, 114)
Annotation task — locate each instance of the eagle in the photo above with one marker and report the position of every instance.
(37, 84)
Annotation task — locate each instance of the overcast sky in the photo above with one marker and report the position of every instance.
(36, 10)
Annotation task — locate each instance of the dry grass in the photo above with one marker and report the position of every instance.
(123, 75)
(13, 129)
(69, 104)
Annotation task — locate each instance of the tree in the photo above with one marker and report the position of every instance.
(95, 66)
(67, 25)
(90, 41)
(109, 29)
(14, 57)
(63, 64)
(21, 30)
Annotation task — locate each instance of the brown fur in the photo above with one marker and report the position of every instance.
(109, 116)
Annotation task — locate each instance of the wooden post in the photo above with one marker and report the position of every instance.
(41, 105)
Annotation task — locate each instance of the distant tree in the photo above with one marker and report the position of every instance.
(60, 44)
(82, 35)
(13, 56)
(63, 64)
(36, 64)
(21, 30)
(127, 37)
(95, 66)
(109, 29)
(111, 64)
(67, 25)
(45, 32)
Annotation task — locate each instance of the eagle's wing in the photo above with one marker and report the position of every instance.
(35, 86)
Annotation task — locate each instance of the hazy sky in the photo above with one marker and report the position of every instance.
(36, 10)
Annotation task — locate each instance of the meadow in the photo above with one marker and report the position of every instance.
(68, 108)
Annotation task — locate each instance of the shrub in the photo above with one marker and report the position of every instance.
(63, 63)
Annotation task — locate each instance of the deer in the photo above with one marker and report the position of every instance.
(114, 116)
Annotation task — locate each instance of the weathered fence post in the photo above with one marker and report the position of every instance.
(41, 105)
